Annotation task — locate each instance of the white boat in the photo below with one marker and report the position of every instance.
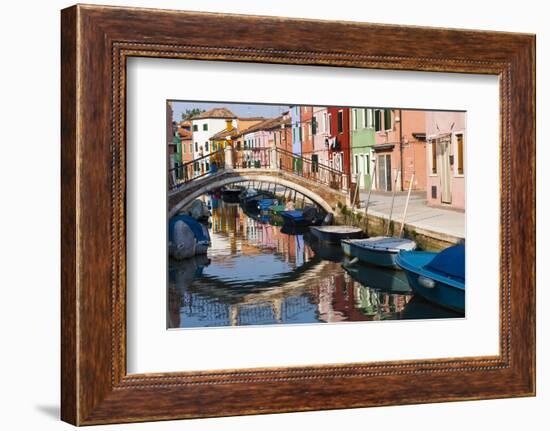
(378, 250)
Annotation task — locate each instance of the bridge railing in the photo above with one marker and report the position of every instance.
(312, 170)
(196, 168)
(259, 158)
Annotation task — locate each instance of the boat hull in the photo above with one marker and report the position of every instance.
(333, 235)
(384, 259)
(431, 286)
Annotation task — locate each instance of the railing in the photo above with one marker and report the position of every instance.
(252, 158)
(312, 170)
(259, 158)
(196, 168)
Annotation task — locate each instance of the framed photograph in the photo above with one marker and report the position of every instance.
(283, 215)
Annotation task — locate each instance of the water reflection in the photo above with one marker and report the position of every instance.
(259, 273)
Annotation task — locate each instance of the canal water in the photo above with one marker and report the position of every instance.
(259, 272)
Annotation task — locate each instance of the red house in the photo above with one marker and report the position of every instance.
(339, 139)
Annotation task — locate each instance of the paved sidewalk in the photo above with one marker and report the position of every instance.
(419, 214)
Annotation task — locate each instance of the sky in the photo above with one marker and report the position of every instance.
(239, 109)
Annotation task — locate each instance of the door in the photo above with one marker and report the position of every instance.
(360, 170)
(444, 162)
(384, 172)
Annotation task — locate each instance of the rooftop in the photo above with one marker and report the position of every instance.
(215, 113)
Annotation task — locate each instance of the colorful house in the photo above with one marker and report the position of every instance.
(231, 135)
(296, 137)
(362, 141)
(339, 139)
(400, 137)
(204, 125)
(306, 118)
(185, 149)
(445, 159)
(319, 130)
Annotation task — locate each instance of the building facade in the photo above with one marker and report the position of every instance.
(362, 141)
(445, 159)
(205, 125)
(320, 132)
(339, 139)
(400, 143)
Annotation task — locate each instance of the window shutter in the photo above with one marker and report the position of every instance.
(387, 119)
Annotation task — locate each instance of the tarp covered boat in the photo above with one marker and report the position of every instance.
(187, 237)
(437, 277)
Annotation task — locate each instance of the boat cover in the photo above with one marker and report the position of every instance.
(449, 261)
(385, 243)
(295, 214)
(198, 230)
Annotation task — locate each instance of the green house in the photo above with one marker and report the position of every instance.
(362, 141)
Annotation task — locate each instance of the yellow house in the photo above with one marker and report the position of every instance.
(228, 136)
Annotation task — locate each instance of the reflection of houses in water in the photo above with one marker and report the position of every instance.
(298, 285)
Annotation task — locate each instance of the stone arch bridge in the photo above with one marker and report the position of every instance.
(322, 195)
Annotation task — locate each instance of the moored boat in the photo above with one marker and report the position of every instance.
(379, 250)
(265, 204)
(437, 277)
(276, 209)
(187, 237)
(335, 234)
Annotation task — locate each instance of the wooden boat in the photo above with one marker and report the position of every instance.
(437, 277)
(335, 234)
(378, 250)
(375, 277)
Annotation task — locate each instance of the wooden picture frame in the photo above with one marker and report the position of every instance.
(95, 43)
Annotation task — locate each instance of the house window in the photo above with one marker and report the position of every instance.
(434, 157)
(329, 125)
(205, 126)
(369, 120)
(367, 164)
(340, 121)
(354, 119)
(314, 126)
(195, 128)
(325, 122)
(207, 166)
(197, 147)
(460, 154)
(377, 120)
(387, 119)
(206, 146)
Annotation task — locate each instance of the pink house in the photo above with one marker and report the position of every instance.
(445, 158)
(320, 132)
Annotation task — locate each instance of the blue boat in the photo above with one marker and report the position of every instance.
(264, 204)
(305, 217)
(378, 250)
(437, 277)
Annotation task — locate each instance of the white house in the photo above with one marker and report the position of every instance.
(204, 126)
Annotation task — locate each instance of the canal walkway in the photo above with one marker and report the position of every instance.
(437, 222)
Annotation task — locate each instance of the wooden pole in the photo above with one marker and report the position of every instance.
(392, 200)
(406, 207)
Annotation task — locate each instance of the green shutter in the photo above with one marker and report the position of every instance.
(387, 119)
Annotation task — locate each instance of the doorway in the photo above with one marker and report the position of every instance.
(384, 172)
(444, 162)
